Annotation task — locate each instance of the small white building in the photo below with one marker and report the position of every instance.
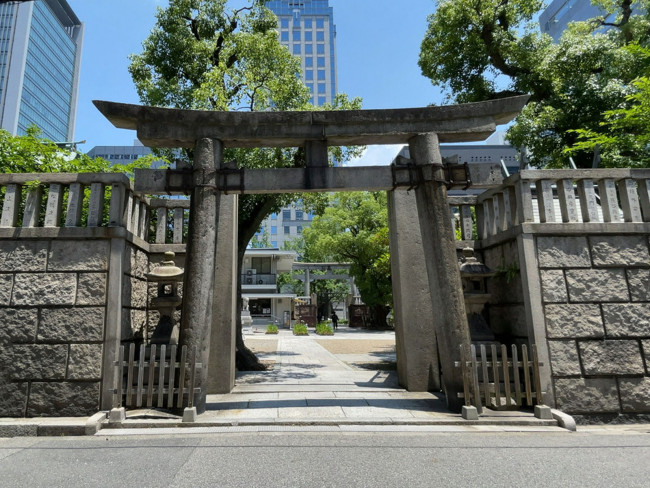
(260, 285)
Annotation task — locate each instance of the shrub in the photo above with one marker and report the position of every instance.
(324, 329)
(343, 322)
(300, 329)
(272, 329)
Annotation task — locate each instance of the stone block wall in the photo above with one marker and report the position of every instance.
(135, 295)
(53, 296)
(596, 304)
(506, 310)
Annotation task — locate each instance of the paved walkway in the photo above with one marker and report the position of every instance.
(310, 386)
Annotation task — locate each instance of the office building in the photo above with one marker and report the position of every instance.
(556, 17)
(306, 28)
(40, 55)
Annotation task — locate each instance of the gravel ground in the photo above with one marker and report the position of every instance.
(357, 346)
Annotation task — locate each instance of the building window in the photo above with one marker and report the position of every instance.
(287, 229)
(321, 74)
(321, 88)
(299, 229)
(274, 216)
(284, 23)
(321, 61)
(308, 24)
(310, 86)
(309, 49)
(308, 36)
(320, 23)
(274, 229)
(320, 48)
(274, 243)
(320, 35)
(296, 36)
(309, 75)
(322, 100)
(296, 49)
(284, 36)
(309, 62)
(286, 214)
(298, 214)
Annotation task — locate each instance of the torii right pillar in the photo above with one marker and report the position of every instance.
(438, 242)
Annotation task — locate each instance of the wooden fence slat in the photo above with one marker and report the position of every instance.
(515, 375)
(190, 401)
(486, 376)
(536, 377)
(152, 367)
(162, 363)
(475, 383)
(181, 377)
(129, 377)
(119, 377)
(495, 374)
(506, 374)
(466, 376)
(138, 393)
(524, 358)
(172, 376)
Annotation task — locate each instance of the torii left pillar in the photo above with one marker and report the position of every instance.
(212, 214)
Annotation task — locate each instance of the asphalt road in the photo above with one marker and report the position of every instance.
(313, 460)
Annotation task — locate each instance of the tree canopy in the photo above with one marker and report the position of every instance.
(202, 54)
(483, 49)
(354, 229)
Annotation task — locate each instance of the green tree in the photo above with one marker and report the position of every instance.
(354, 229)
(201, 54)
(625, 136)
(483, 49)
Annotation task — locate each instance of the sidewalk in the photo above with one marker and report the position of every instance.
(317, 383)
(309, 386)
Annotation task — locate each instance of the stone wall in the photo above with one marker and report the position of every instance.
(506, 310)
(52, 323)
(134, 294)
(596, 303)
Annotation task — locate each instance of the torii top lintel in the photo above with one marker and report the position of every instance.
(167, 127)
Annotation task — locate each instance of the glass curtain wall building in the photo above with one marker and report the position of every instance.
(306, 28)
(556, 17)
(40, 55)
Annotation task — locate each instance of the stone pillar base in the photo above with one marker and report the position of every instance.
(469, 413)
(117, 415)
(543, 412)
(189, 414)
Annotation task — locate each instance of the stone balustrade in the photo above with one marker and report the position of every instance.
(565, 196)
(89, 200)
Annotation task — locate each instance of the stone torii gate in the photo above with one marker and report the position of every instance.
(208, 315)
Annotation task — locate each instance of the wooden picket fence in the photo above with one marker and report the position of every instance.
(155, 379)
(496, 382)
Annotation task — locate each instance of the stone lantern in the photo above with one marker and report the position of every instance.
(474, 275)
(167, 275)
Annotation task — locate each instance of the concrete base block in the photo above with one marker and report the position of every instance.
(564, 420)
(94, 423)
(469, 413)
(117, 415)
(189, 414)
(543, 412)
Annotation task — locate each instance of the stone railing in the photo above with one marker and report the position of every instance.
(67, 200)
(565, 196)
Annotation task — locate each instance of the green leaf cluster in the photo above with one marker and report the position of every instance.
(354, 229)
(484, 49)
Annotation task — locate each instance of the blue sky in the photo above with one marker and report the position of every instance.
(378, 43)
